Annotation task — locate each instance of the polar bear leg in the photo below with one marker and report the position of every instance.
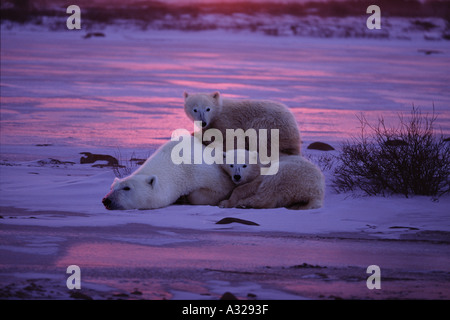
(249, 195)
(313, 203)
(241, 192)
(258, 201)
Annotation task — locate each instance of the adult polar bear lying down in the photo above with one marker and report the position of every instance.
(159, 182)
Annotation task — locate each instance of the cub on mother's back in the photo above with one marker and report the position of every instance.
(222, 114)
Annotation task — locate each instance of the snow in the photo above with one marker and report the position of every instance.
(122, 95)
(79, 188)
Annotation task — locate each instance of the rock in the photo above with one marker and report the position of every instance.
(94, 34)
(399, 227)
(428, 52)
(121, 295)
(91, 158)
(322, 146)
(228, 296)
(306, 265)
(137, 292)
(79, 295)
(229, 220)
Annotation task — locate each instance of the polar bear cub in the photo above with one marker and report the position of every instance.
(298, 184)
(214, 112)
(159, 182)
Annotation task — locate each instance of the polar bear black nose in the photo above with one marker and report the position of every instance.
(106, 202)
(203, 124)
(237, 177)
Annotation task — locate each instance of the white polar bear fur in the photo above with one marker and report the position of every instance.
(298, 184)
(214, 112)
(159, 183)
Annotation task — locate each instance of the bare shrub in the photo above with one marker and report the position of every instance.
(409, 159)
(128, 166)
(325, 162)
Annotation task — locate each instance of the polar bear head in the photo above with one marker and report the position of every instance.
(135, 192)
(244, 166)
(203, 107)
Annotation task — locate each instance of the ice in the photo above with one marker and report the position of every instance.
(99, 95)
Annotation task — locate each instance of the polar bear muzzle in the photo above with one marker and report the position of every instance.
(110, 205)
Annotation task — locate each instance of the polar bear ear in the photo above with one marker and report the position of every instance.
(185, 95)
(152, 181)
(116, 180)
(216, 95)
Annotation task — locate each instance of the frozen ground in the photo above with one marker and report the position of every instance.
(62, 94)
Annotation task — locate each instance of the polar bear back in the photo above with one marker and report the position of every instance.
(212, 111)
(256, 114)
(298, 181)
(261, 114)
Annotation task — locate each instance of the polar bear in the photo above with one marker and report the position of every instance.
(160, 182)
(298, 184)
(214, 112)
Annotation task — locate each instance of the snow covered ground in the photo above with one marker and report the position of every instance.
(121, 94)
(79, 188)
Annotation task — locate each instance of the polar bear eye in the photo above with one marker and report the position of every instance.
(231, 166)
(126, 188)
(208, 109)
(195, 110)
(244, 166)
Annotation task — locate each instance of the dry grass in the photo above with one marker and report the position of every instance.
(409, 159)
